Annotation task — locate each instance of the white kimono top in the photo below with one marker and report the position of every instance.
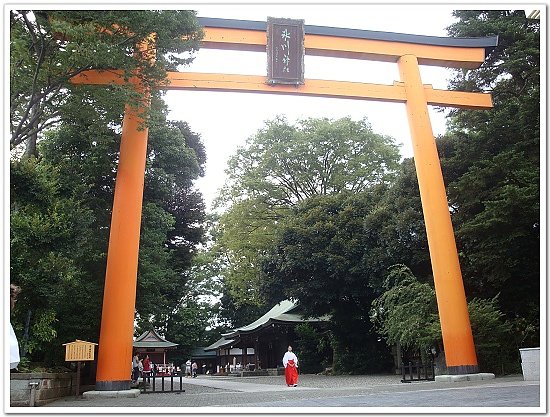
(14, 349)
(288, 356)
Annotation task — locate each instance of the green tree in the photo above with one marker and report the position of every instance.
(406, 313)
(284, 164)
(279, 167)
(313, 348)
(48, 47)
(49, 241)
(491, 161)
(496, 350)
(324, 259)
(61, 206)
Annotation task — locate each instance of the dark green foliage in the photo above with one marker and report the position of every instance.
(491, 163)
(48, 47)
(60, 218)
(496, 350)
(324, 259)
(48, 245)
(406, 313)
(357, 349)
(187, 326)
(313, 347)
(235, 314)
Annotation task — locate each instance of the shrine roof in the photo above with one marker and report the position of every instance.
(151, 339)
(286, 311)
(202, 353)
(222, 342)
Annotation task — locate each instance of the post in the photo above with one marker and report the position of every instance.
(33, 386)
(77, 393)
(119, 297)
(458, 342)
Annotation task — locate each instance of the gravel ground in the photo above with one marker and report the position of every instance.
(324, 381)
(319, 391)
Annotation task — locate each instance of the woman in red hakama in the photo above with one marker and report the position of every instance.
(290, 362)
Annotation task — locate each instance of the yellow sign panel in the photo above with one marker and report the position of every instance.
(79, 350)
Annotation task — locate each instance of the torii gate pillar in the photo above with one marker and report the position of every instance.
(119, 294)
(460, 353)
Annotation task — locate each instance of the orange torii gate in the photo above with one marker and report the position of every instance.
(408, 51)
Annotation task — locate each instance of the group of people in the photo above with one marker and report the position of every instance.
(145, 368)
(141, 367)
(191, 369)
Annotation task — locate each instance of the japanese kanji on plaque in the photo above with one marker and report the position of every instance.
(285, 51)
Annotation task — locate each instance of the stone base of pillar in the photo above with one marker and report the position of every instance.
(464, 377)
(129, 393)
(462, 369)
(112, 385)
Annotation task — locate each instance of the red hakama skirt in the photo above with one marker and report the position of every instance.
(291, 373)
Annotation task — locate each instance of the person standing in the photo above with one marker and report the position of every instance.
(290, 362)
(188, 368)
(147, 364)
(135, 367)
(194, 368)
(14, 344)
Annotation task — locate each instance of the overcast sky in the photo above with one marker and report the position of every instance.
(226, 120)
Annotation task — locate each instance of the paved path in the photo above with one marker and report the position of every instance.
(316, 391)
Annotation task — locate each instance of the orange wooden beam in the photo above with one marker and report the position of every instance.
(318, 88)
(119, 295)
(343, 47)
(460, 354)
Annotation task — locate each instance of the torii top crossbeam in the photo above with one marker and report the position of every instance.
(408, 51)
(243, 35)
(246, 35)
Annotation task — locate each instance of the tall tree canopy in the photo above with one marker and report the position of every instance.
(327, 259)
(283, 163)
(280, 166)
(491, 161)
(60, 218)
(48, 47)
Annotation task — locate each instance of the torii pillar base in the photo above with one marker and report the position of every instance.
(462, 369)
(482, 376)
(111, 386)
(129, 393)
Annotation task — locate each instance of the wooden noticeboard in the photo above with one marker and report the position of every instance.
(79, 350)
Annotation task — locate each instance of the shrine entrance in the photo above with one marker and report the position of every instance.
(286, 41)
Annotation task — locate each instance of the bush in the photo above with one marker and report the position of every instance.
(495, 347)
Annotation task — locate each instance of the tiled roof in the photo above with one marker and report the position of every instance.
(151, 339)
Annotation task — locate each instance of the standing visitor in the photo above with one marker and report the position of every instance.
(188, 368)
(194, 368)
(140, 368)
(14, 345)
(147, 365)
(147, 368)
(290, 362)
(135, 368)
